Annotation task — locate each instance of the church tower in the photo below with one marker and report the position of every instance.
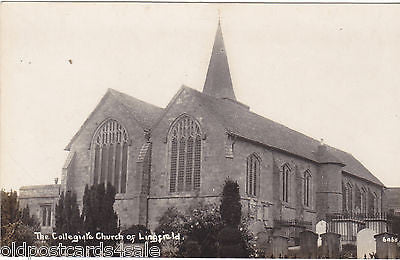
(218, 80)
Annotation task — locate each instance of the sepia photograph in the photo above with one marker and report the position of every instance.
(216, 130)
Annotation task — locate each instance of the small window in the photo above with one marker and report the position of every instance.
(372, 203)
(347, 193)
(252, 175)
(285, 182)
(363, 200)
(46, 215)
(307, 188)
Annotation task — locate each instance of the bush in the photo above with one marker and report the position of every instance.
(135, 230)
(16, 225)
(200, 226)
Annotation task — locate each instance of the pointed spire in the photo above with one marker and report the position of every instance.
(218, 79)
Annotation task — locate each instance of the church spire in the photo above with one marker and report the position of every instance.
(218, 79)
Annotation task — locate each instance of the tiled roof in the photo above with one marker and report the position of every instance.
(238, 120)
(143, 113)
(354, 166)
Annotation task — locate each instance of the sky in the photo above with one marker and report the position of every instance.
(328, 71)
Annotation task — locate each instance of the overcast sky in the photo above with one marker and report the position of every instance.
(328, 71)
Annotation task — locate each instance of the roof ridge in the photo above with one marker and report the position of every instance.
(336, 155)
(123, 99)
(113, 91)
(166, 109)
(126, 106)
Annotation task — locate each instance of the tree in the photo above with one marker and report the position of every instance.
(16, 225)
(231, 241)
(98, 213)
(67, 215)
(231, 208)
(29, 219)
(9, 207)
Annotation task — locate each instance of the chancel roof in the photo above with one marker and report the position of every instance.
(240, 121)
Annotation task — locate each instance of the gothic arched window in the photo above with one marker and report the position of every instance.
(252, 175)
(185, 155)
(111, 155)
(372, 203)
(363, 200)
(285, 182)
(307, 188)
(347, 193)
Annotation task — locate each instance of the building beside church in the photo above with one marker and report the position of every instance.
(173, 156)
(393, 200)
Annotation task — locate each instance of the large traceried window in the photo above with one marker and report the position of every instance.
(307, 188)
(111, 155)
(285, 182)
(185, 155)
(252, 175)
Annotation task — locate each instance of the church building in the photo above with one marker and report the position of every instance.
(158, 158)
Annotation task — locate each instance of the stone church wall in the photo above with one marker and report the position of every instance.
(212, 147)
(80, 173)
(295, 208)
(216, 165)
(373, 188)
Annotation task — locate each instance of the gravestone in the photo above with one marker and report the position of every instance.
(308, 244)
(278, 247)
(366, 245)
(330, 245)
(262, 243)
(320, 228)
(386, 245)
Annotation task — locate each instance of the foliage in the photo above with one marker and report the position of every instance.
(394, 223)
(98, 213)
(200, 225)
(67, 215)
(17, 232)
(135, 230)
(29, 219)
(16, 225)
(231, 241)
(231, 209)
(171, 221)
(9, 207)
